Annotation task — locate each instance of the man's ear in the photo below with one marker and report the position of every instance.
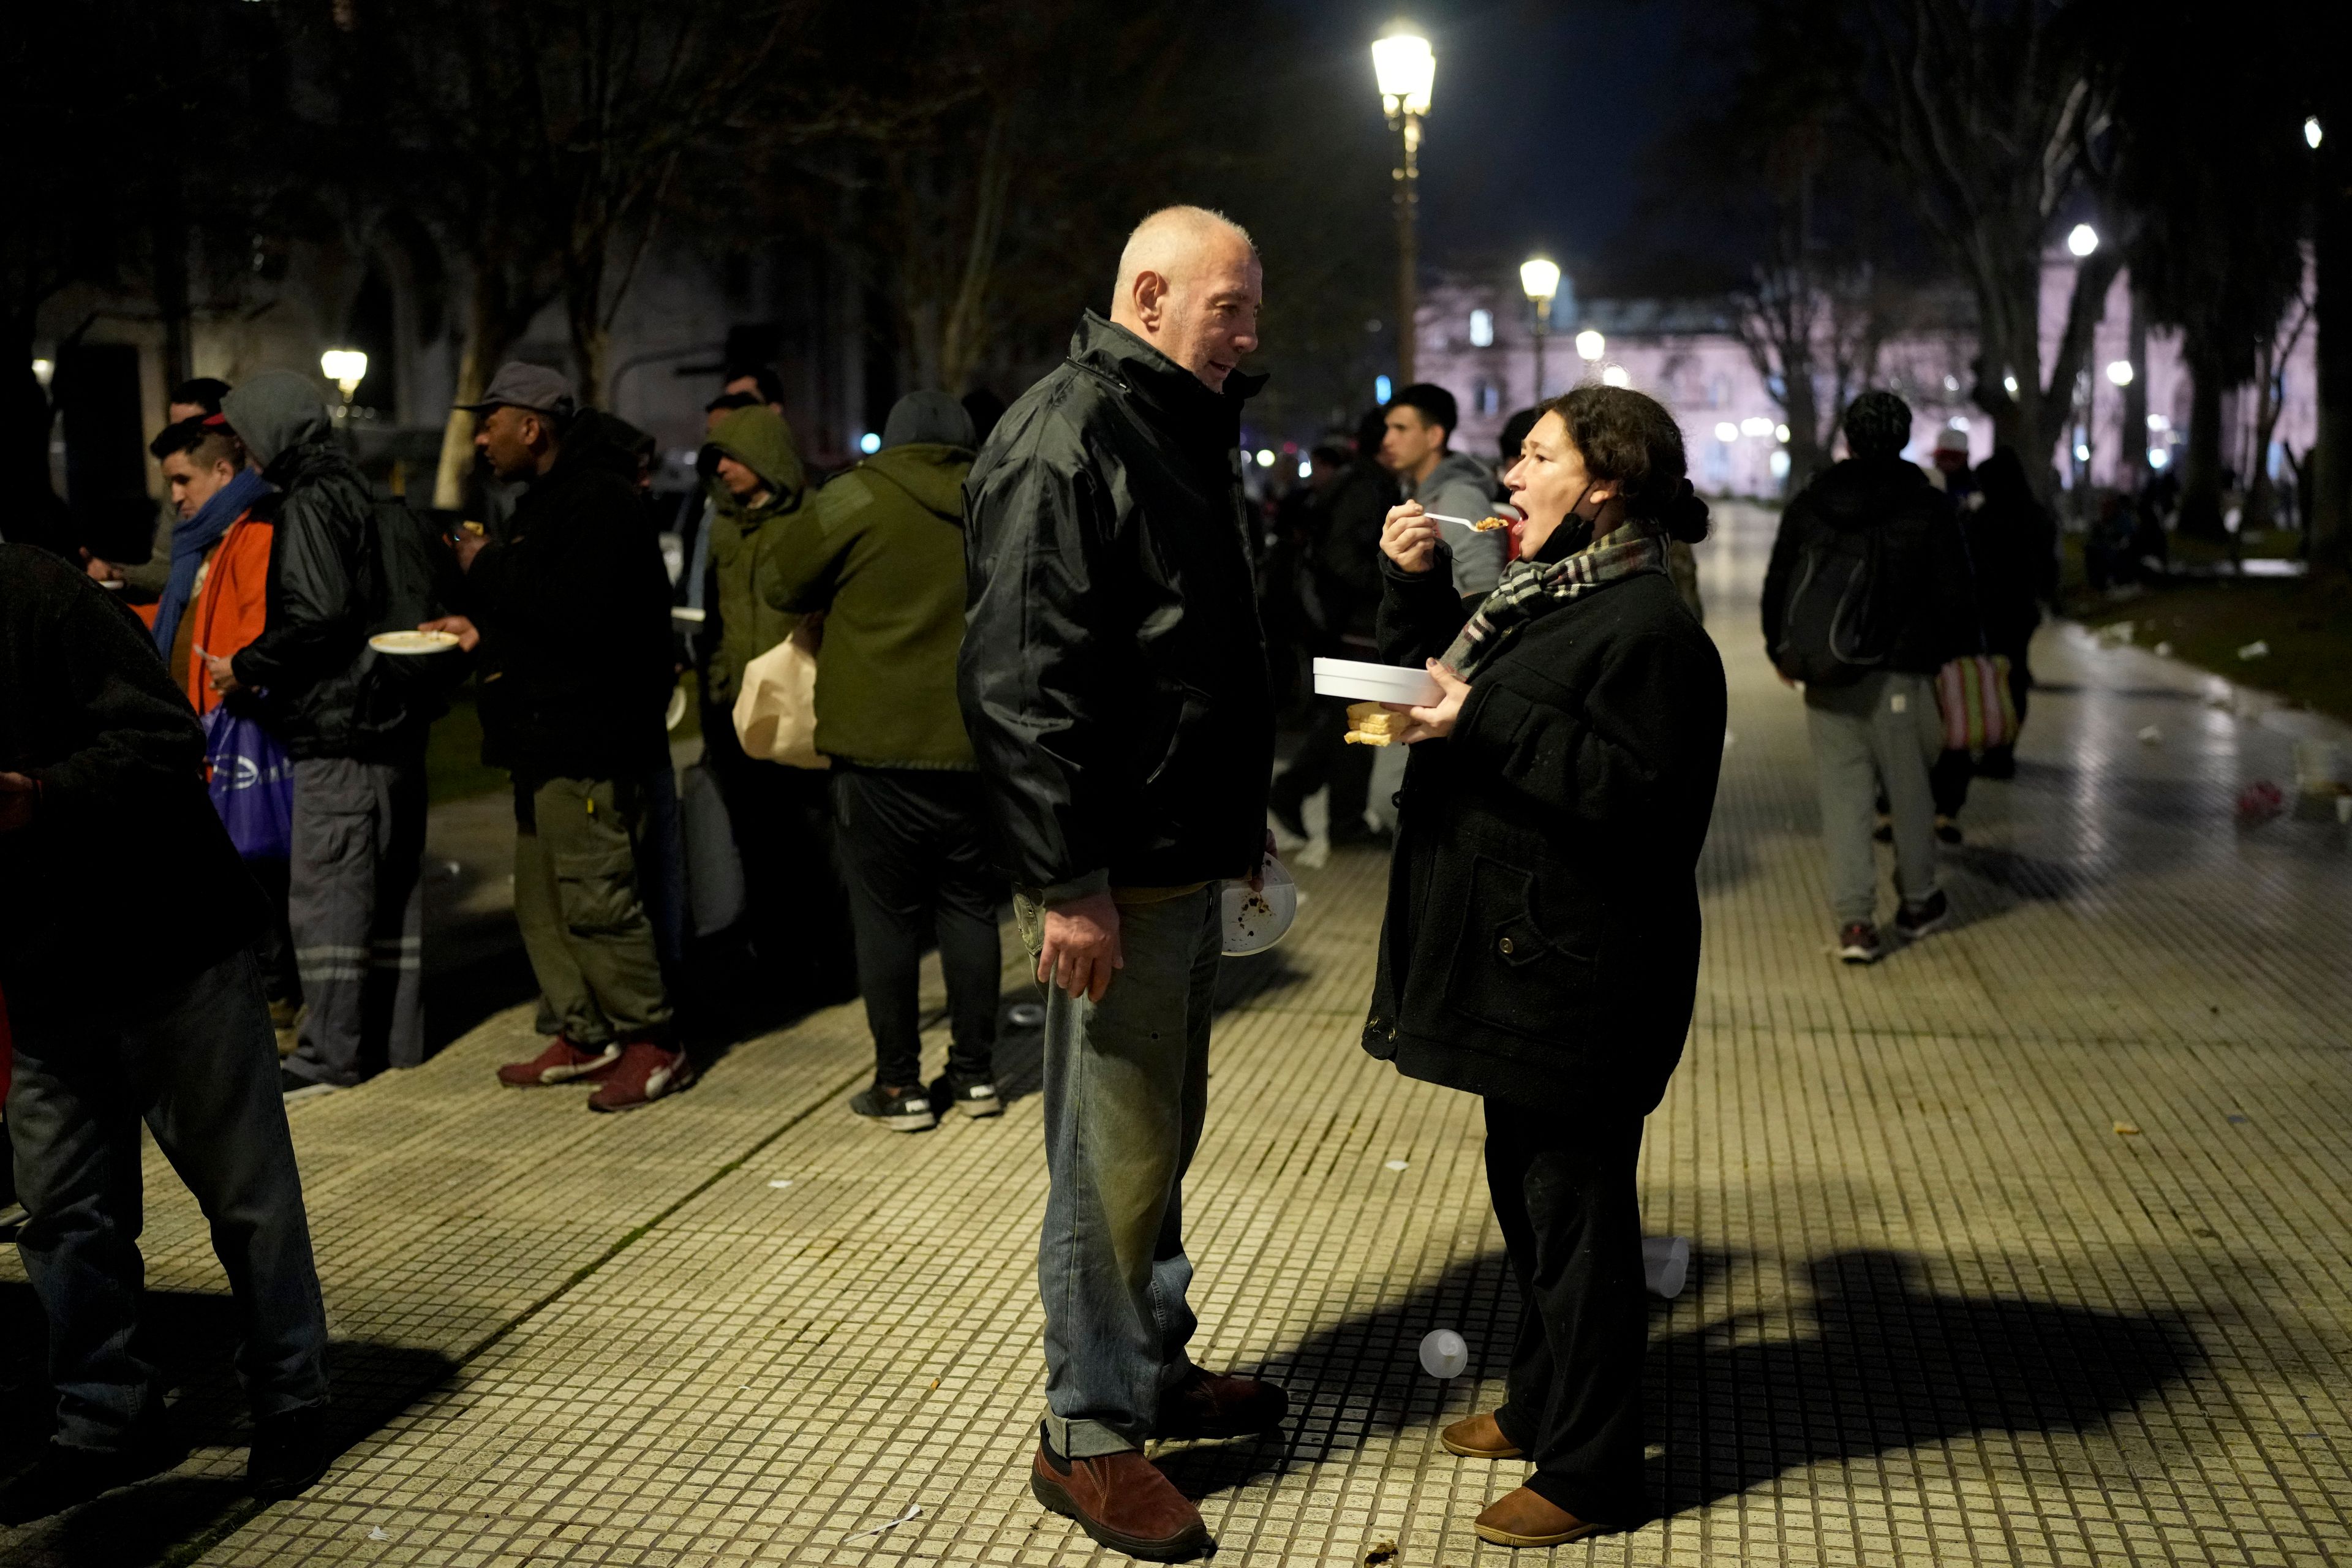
(1151, 297)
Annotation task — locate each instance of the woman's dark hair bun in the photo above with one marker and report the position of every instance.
(1684, 514)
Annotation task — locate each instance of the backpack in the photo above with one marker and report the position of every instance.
(404, 577)
(1831, 629)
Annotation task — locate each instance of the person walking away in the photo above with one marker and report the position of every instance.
(1421, 422)
(881, 558)
(132, 996)
(1865, 598)
(1541, 943)
(1345, 523)
(354, 901)
(782, 815)
(570, 612)
(2012, 542)
(1113, 684)
(214, 601)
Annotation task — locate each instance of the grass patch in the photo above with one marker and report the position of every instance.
(2307, 622)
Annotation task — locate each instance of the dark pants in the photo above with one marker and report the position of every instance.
(1325, 758)
(796, 909)
(916, 862)
(1564, 1194)
(579, 900)
(357, 910)
(281, 981)
(199, 1064)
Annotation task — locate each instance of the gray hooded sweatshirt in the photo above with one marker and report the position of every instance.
(1460, 486)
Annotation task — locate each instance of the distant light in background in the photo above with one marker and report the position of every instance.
(346, 368)
(1951, 384)
(1539, 277)
(1616, 375)
(1779, 464)
(43, 369)
(2081, 453)
(2083, 239)
(1406, 68)
(2008, 384)
(1958, 422)
(2312, 133)
(1306, 469)
(1382, 389)
(1265, 456)
(1780, 432)
(1590, 345)
(2120, 372)
(1482, 328)
(2159, 458)
(869, 443)
(2158, 422)
(1726, 432)
(1755, 424)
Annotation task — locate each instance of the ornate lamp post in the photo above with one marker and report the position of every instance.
(1539, 278)
(1407, 71)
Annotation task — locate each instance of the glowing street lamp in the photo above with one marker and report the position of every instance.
(2082, 239)
(1407, 71)
(2119, 372)
(1539, 278)
(2312, 132)
(346, 368)
(1590, 345)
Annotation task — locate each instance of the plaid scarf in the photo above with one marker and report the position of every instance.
(1532, 589)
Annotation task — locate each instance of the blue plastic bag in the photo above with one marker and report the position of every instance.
(252, 784)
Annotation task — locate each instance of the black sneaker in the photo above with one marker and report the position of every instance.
(1947, 830)
(290, 1452)
(900, 1111)
(1858, 944)
(1931, 913)
(66, 1478)
(975, 1099)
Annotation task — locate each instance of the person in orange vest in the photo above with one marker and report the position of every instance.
(214, 601)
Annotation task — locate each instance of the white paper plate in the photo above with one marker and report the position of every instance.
(1255, 921)
(1375, 682)
(413, 641)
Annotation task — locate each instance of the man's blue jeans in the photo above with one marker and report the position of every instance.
(1127, 1085)
(198, 1063)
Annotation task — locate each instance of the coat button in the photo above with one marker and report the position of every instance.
(1507, 947)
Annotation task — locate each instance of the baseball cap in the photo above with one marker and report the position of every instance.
(532, 386)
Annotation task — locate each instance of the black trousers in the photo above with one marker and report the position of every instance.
(273, 949)
(795, 908)
(1325, 758)
(1564, 1193)
(916, 862)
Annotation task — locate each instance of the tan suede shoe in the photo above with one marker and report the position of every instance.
(1478, 1437)
(1523, 1518)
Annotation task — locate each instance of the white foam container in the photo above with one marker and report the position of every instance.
(1375, 682)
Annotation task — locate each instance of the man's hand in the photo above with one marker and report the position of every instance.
(100, 571)
(467, 545)
(18, 795)
(469, 637)
(1435, 721)
(1257, 879)
(1081, 947)
(1409, 538)
(223, 674)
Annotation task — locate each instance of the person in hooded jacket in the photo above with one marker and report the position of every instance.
(1114, 683)
(880, 556)
(1877, 726)
(571, 614)
(1417, 447)
(354, 900)
(782, 816)
(126, 923)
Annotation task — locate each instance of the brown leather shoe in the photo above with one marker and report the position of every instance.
(1479, 1437)
(1523, 1518)
(1123, 1501)
(1212, 1404)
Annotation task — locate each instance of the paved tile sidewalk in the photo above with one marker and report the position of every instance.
(1942, 1311)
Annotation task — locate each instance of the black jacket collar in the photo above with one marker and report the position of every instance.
(1167, 388)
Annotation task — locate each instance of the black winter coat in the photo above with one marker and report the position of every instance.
(312, 656)
(1113, 676)
(124, 881)
(1923, 595)
(573, 607)
(1542, 936)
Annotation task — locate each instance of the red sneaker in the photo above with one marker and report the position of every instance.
(646, 1073)
(562, 1062)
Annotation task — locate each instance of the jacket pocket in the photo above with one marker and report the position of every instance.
(1508, 972)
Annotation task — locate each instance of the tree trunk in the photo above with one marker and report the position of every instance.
(2200, 468)
(2328, 504)
(2131, 461)
(457, 463)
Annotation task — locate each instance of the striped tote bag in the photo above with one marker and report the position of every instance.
(1972, 691)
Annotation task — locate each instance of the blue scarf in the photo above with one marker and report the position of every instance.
(190, 538)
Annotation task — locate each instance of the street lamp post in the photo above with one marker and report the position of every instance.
(1407, 71)
(346, 368)
(1540, 280)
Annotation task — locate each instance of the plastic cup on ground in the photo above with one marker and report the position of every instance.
(1443, 1353)
(1665, 1264)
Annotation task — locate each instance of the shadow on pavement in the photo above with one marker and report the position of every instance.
(191, 1338)
(1874, 1362)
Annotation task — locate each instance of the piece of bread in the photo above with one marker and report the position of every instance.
(1370, 724)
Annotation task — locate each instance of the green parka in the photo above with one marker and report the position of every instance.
(882, 553)
(741, 536)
